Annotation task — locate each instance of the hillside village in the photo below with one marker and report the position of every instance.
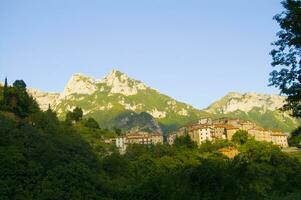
(207, 129)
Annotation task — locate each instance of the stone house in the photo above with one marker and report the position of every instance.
(201, 134)
(138, 138)
(279, 139)
(225, 128)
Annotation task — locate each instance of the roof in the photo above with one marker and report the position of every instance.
(200, 126)
(139, 135)
(278, 134)
(226, 126)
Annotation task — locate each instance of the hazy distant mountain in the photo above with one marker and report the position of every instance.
(260, 108)
(118, 97)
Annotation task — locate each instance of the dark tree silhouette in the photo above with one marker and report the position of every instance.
(19, 84)
(286, 56)
(91, 123)
(75, 116)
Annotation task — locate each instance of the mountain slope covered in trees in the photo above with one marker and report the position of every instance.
(44, 158)
(117, 95)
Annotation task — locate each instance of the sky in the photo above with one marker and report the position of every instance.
(195, 51)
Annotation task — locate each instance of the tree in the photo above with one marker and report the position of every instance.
(17, 100)
(240, 137)
(75, 116)
(19, 84)
(118, 131)
(185, 141)
(287, 56)
(5, 94)
(91, 123)
(46, 121)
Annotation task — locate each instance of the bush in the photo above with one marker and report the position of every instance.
(91, 123)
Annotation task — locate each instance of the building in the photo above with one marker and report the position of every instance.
(206, 121)
(238, 123)
(260, 134)
(224, 131)
(201, 134)
(279, 139)
(138, 138)
(228, 121)
(181, 132)
(224, 128)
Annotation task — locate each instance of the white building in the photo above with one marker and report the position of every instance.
(121, 144)
(201, 134)
(279, 139)
(138, 138)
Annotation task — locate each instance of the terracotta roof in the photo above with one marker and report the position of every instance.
(226, 126)
(200, 127)
(278, 134)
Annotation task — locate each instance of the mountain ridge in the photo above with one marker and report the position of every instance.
(106, 98)
(116, 93)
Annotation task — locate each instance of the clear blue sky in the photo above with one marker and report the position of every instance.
(194, 51)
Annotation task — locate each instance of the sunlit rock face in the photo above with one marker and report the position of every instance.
(121, 84)
(116, 93)
(246, 102)
(157, 114)
(44, 99)
(79, 84)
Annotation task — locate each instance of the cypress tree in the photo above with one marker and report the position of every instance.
(5, 93)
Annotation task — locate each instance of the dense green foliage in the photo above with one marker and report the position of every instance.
(287, 56)
(74, 116)
(185, 141)
(15, 99)
(261, 171)
(287, 59)
(295, 139)
(91, 123)
(51, 162)
(240, 137)
(43, 158)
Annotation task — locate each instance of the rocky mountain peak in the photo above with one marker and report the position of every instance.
(246, 102)
(234, 94)
(120, 83)
(79, 84)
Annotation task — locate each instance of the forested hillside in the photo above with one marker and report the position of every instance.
(44, 158)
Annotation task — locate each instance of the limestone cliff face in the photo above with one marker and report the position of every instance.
(116, 93)
(121, 84)
(262, 109)
(44, 99)
(106, 98)
(246, 102)
(79, 84)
